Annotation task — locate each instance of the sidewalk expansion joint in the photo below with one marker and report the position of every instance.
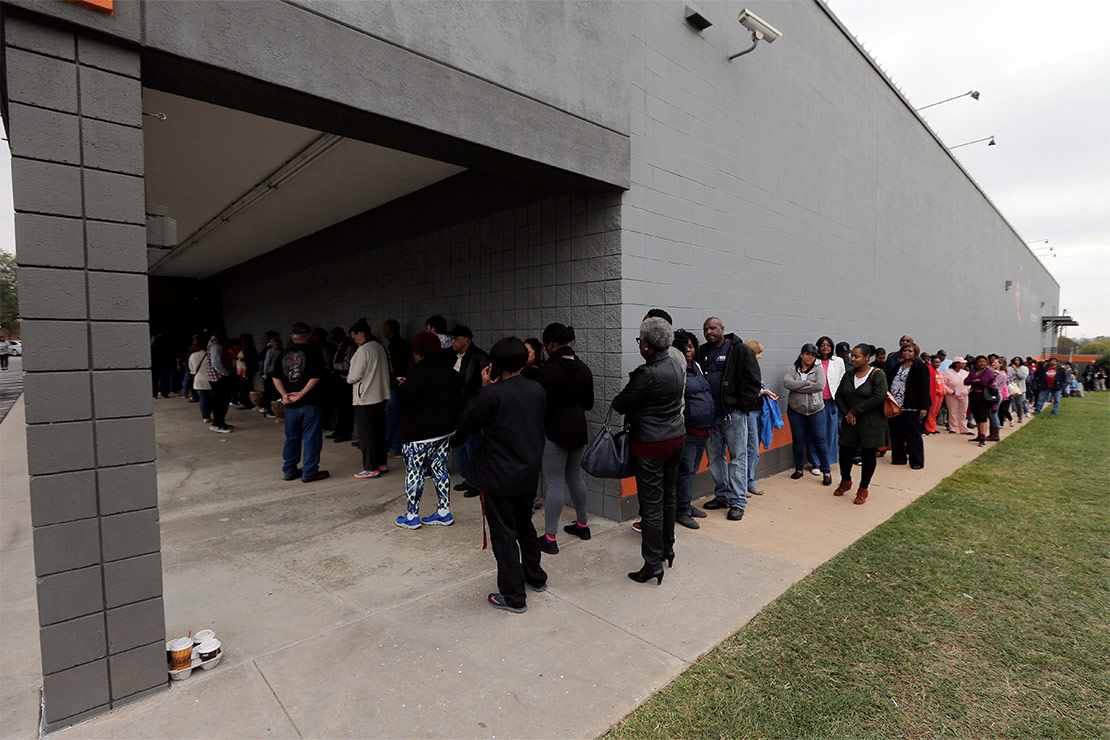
(277, 698)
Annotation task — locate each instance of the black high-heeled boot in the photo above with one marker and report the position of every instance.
(645, 574)
(669, 557)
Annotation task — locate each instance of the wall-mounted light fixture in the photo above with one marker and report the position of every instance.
(696, 19)
(973, 94)
(761, 31)
(968, 143)
(1009, 283)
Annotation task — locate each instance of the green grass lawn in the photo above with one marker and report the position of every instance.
(981, 610)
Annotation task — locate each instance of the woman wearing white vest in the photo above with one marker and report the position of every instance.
(369, 380)
(834, 370)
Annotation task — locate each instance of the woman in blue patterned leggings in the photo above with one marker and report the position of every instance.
(429, 403)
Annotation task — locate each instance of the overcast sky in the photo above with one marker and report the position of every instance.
(1043, 71)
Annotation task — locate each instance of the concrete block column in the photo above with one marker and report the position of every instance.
(74, 118)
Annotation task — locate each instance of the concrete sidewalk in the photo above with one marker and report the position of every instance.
(338, 624)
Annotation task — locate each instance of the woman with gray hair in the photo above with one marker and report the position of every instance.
(652, 406)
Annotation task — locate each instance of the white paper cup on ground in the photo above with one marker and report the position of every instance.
(203, 635)
(181, 653)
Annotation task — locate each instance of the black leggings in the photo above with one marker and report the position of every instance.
(868, 454)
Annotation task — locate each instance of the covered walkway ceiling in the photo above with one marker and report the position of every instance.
(240, 185)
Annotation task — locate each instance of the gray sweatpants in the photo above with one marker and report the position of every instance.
(562, 469)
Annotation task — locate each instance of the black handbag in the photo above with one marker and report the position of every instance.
(609, 455)
(991, 394)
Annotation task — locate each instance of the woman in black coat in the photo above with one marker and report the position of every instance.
(652, 406)
(909, 384)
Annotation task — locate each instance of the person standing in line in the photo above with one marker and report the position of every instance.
(910, 385)
(1001, 413)
(735, 382)
(863, 424)
(345, 348)
(429, 401)
(221, 380)
(956, 396)
(829, 416)
(300, 369)
(469, 361)
(438, 325)
(569, 387)
(651, 403)
(878, 360)
(698, 415)
(368, 377)
(273, 351)
(507, 415)
(945, 363)
(5, 351)
(979, 379)
(197, 367)
(400, 355)
(754, 420)
(1019, 376)
(936, 394)
(806, 382)
(1051, 379)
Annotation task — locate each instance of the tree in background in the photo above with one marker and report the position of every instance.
(1066, 344)
(9, 296)
(1097, 347)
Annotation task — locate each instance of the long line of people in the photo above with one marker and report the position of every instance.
(519, 411)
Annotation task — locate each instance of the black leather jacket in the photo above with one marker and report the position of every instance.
(652, 401)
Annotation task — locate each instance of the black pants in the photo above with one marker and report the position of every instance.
(905, 438)
(515, 544)
(868, 456)
(344, 411)
(221, 397)
(1004, 411)
(655, 483)
(3, 362)
(370, 421)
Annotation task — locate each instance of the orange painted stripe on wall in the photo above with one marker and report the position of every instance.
(103, 6)
(781, 438)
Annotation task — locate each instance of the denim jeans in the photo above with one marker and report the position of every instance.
(303, 427)
(204, 400)
(1042, 399)
(730, 432)
(393, 423)
(466, 453)
(692, 450)
(808, 432)
(829, 418)
(753, 447)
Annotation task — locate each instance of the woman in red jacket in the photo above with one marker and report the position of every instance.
(936, 394)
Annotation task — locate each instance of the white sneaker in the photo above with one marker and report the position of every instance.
(220, 430)
(815, 471)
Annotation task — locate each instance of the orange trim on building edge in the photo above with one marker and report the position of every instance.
(101, 6)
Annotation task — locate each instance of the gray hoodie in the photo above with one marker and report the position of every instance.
(805, 389)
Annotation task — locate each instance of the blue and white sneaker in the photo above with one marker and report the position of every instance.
(445, 519)
(408, 521)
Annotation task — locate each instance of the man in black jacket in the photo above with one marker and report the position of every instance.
(508, 416)
(469, 362)
(734, 381)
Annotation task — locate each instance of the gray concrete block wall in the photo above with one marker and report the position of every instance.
(510, 273)
(76, 141)
(793, 193)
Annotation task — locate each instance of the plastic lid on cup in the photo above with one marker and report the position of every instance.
(209, 646)
(181, 643)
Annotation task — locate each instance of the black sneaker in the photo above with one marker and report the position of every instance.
(735, 514)
(697, 513)
(497, 601)
(462, 487)
(577, 530)
(714, 504)
(796, 475)
(471, 492)
(551, 547)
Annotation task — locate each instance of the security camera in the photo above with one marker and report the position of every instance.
(755, 24)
